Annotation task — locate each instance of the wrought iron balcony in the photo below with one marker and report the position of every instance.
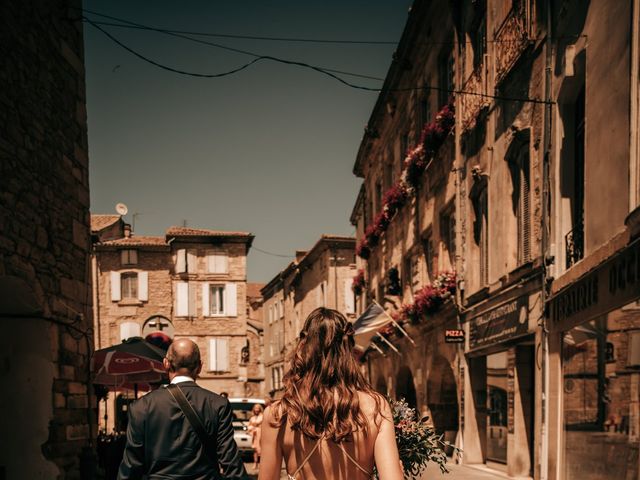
(511, 39)
(574, 245)
(474, 98)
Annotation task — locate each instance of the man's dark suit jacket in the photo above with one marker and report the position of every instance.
(162, 445)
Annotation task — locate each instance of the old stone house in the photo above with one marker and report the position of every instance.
(530, 192)
(319, 277)
(188, 283)
(45, 283)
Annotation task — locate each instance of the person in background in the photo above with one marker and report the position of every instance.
(255, 429)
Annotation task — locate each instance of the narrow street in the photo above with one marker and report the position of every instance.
(462, 472)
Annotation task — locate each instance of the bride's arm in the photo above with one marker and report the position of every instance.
(386, 451)
(271, 448)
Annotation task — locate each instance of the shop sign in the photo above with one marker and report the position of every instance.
(454, 336)
(507, 321)
(613, 284)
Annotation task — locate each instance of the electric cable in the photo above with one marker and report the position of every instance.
(271, 253)
(311, 67)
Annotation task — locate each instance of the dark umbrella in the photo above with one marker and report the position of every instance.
(134, 361)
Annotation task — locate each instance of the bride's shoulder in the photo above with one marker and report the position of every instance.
(373, 404)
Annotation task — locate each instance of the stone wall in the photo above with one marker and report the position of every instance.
(44, 241)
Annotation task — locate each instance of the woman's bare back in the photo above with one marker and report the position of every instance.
(351, 460)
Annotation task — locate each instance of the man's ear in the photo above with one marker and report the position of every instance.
(199, 369)
(166, 364)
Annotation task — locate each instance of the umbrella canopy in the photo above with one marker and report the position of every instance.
(133, 361)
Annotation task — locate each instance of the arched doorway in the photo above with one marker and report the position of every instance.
(405, 388)
(442, 396)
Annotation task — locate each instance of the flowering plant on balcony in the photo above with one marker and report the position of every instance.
(359, 283)
(433, 136)
(430, 298)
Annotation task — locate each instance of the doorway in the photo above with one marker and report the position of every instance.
(497, 407)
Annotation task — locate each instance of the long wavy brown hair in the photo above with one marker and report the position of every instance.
(321, 386)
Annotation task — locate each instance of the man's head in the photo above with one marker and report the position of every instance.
(183, 358)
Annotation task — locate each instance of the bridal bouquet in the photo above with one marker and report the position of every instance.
(418, 443)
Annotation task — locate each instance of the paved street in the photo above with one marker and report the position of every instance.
(462, 472)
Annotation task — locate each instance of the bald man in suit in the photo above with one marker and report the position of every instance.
(162, 444)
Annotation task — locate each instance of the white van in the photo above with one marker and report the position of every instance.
(241, 408)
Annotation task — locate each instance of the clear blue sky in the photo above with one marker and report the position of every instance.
(269, 150)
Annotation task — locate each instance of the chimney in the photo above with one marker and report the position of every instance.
(127, 230)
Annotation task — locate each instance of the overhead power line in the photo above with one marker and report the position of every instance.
(330, 73)
(271, 253)
(204, 42)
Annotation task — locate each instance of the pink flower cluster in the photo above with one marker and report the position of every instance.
(359, 283)
(429, 299)
(433, 136)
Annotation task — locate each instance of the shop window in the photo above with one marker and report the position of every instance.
(601, 392)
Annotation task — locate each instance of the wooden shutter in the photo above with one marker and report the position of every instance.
(484, 239)
(115, 287)
(181, 260)
(143, 286)
(524, 209)
(129, 330)
(349, 304)
(192, 300)
(231, 294)
(182, 299)
(192, 261)
(223, 354)
(213, 355)
(205, 300)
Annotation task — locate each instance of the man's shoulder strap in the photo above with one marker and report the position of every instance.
(194, 420)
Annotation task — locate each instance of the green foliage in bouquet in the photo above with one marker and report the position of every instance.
(418, 443)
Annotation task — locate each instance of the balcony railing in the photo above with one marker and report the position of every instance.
(511, 39)
(473, 97)
(574, 245)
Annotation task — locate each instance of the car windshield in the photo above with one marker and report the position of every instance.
(242, 410)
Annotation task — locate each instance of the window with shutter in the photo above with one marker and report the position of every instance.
(129, 257)
(216, 299)
(143, 286)
(182, 299)
(115, 287)
(181, 260)
(129, 285)
(219, 355)
(217, 261)
(129, 330)
(192, 261)
(484, 238)
(524, 209)
(349, 297)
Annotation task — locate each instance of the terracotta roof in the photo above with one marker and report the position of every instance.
(201, 232)
(136, 241)
(100, 222)
(253, 289)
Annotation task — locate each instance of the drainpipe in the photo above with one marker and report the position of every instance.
(547, 259)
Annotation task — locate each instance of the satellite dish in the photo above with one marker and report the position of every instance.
(121, 208)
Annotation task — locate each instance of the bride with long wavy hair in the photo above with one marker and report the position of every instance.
(329, 422)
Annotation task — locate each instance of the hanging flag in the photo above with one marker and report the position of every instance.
(370, 322)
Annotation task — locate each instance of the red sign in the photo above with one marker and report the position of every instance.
(454, 336)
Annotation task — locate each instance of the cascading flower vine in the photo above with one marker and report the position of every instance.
(430, 298)
(359, 283)
(432, 137)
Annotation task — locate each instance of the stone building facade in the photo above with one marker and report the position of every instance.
(531, 197)
(188, 283)
(45, 283)
(319, 277)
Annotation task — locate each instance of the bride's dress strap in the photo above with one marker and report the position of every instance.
(354, 461)
(306, 459)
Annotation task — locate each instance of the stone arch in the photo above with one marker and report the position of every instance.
(442, 396)
(405, 387)
(381, 385)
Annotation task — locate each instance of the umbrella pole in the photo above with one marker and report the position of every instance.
(135, 391)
